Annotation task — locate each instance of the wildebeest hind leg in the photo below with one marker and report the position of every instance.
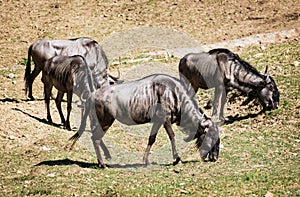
(69, 108)
(58, 106)
(155, 127)
(171, 135)
(47, 92)
(99, 128)
(105, 150)
(97, 138)
(36, 71)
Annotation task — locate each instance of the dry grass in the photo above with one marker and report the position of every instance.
(260, 153)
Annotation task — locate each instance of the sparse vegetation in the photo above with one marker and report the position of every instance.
(259, 154)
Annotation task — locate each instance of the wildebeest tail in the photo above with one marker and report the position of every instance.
(87, 111)
(28, 68)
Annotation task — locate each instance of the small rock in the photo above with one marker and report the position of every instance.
(14, 82)
(45, 148)
(269, 194)
(51, 175)
(11, 75)
(296, 63)
(11, 137)
(260, 137)
(183, 191)
(258, 55)
(279, 68)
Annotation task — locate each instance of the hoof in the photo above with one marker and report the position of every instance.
(67, 126)
(50, 122)
(147, 163)
(104, 167)
(176, 161)
(108, 158)
(31, 98)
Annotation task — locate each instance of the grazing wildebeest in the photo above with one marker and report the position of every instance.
(42, 50)
(159, 99)
(67, 74)
(223, 70)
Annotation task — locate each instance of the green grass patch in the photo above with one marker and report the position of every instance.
(259, 154)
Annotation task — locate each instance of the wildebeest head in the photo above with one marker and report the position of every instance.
(269, 94)
(207, 140)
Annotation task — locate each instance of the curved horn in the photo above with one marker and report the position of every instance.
(267, 71)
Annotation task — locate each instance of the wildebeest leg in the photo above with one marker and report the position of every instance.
(58, 100)
(98, 130)
(105, 150)
(69, 108)
(94, 124)
(36, 71)
(97, 138)
(155, 127)
(171, 135)
(222, 107)
(220, 99)
(47, 94)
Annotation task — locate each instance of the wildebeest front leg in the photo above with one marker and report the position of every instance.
(58, 100)
(219, 103)
(155, 127)
(171, 135)
(223, 101)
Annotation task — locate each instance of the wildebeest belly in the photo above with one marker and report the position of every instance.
(65, 87)
(133, 110)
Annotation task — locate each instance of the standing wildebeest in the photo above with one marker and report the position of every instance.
(224, 70)
(159, 99)
(67, 74)
(42, 50)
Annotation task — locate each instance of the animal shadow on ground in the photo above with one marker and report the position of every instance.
(65, 162)
(14, 100)
(232, 119)
(42, 120)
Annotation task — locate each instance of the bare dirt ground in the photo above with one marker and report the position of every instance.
(23, 22)
(22, 124)
(208, 22)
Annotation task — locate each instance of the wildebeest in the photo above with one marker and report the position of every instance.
(223, 70)
(67, 74)
(42, 50)
(159, 99)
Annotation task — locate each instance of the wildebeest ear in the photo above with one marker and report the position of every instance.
(268, 80)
